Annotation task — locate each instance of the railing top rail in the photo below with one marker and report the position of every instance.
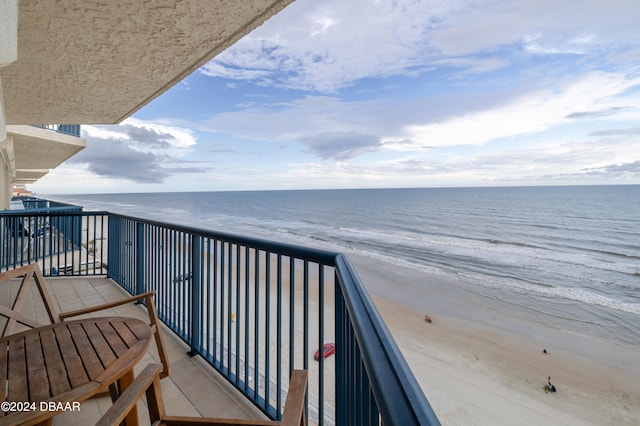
(312, 254)
(47, 211)
(398, 394)
(51, 203)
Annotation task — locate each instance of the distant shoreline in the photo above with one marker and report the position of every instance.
(338, 189)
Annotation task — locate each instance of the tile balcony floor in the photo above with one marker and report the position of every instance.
(193, 389)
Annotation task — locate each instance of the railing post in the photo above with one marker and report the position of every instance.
(111, 247)
(341, 356)
(139, 258)
(196, 289)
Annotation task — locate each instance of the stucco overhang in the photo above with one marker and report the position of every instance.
(90, 62)
(37, 150)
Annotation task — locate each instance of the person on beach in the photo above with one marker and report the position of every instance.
(550, 387)
(427, 318)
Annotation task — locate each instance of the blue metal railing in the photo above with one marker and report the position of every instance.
(32, 203)
(256, 310)
(68, 129)
(63, 240)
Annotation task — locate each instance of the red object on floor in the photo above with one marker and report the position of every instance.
(328, 350)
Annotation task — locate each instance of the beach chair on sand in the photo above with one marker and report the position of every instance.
(30, 272)
(148, 382)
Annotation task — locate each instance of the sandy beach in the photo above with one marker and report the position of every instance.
(479, 364)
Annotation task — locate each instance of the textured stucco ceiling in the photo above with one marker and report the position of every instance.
(92, 62)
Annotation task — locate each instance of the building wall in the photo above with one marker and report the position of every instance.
(8, 54)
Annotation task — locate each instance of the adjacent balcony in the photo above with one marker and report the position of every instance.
(29, 152)
(67, 129)
(249, 310)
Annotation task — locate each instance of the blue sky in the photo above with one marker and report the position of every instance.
(357, 94)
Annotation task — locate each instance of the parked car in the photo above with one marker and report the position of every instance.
(327, 350)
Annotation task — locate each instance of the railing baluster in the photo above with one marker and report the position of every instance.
(227, 317)
(305, 329)
(207, 308)
(196, 285)
(223, 336)
(279, 336)
(267, 331)
(139, 258)
(247, 304)
(321, 344)
(292, 313)
(236, 314)
(256, 325)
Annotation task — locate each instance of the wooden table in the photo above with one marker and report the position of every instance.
(47, 370)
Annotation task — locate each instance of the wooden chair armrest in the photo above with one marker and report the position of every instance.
(109, 305)
(129, 398)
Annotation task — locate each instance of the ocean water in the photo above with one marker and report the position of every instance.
(568, 257)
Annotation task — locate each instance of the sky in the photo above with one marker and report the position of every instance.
(378, 94)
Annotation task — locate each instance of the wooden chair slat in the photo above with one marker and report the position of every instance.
(38, 381)
(17, 390)
(58, 378)
(116, 344)
(137, 330)
(77, 374)
(123, 360)
(90, 359)
(126, 334)
(3, 372)
(100, 345)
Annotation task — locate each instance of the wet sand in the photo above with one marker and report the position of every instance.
(477, 363)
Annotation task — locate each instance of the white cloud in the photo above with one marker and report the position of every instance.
(535, 112)
(179, 137)
(324, 46)
(138, 151)
(542, 26)
(103, 132)
(414, 125)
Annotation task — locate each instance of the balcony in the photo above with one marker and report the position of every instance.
(29, 152)
(249, 310)
(67, 129)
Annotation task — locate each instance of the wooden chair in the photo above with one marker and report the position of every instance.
(148, 381)
(33, 272)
